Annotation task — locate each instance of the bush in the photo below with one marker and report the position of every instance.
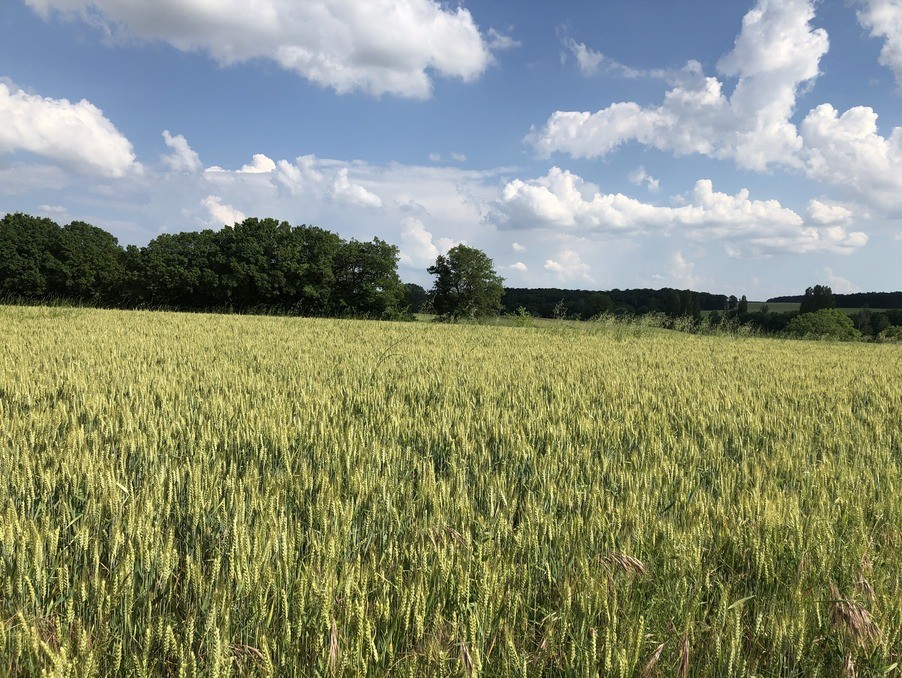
(827, 323)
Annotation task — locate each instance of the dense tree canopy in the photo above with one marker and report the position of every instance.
(28, 267)
(466, 284)
(258, 264)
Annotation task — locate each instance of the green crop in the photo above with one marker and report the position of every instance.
(225, 495)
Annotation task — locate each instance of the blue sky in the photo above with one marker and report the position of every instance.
(741, 147)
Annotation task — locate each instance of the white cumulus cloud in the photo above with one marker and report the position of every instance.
(343, 190)
(183, 158)
(323, 180)
(519, 266)
(682, 270)
(377, 46)
(639, 177)
(564, 202)
(883, 18)
(418, 248)
(220, 214)
(260, 164)
(826, 213)
(846, 151)
(75, 135)
(775, 53)
(568, 266)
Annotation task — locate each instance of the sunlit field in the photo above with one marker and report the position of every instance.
(231, 495)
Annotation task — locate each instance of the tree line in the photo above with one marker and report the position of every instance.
(818, 315)
(854, 300)
(584, 304)
(266, 265)
(258, 264)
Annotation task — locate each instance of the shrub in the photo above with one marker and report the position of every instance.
(827, 323)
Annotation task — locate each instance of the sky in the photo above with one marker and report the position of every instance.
(737, 147)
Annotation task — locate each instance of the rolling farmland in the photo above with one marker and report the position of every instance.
(230, 495)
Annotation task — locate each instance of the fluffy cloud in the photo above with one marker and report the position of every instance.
(827, 214)
(325, 181)
(775, 53)
(682, 271)
(75, 135)
(883, 18)
(343, 190)
(563, 201)
(519, 266)
(517, 247)
(417, 245)
(378, 46)
(640, 176)
(183, 158)
(260, 164)
(568, 266)
(588, 60)
(221, 215)
(846, 151)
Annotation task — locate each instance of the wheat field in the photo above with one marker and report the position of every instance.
(213, 495)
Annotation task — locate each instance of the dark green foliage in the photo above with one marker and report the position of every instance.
(816, 298)
(366, 279)
(90, 264)
(871, 323)
(28, 266)
(259, 264)
(414, 297)
(889, 300)
(586, 304)
(768, 321)
(466, 284)
(180, 270)
(828, 323)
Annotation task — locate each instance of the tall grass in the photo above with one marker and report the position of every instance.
(231, 495)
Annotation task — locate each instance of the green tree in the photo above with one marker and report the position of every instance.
(27, 262)
(816, 298)
(466, 284)
(414, 297)
(256, 267)
(366, 279)
(743, 306)
(826, 323)
(674, 303)
(181, 270)
(90, 264)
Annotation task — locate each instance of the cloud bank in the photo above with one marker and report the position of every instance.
(377, 46)
(564, 202)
